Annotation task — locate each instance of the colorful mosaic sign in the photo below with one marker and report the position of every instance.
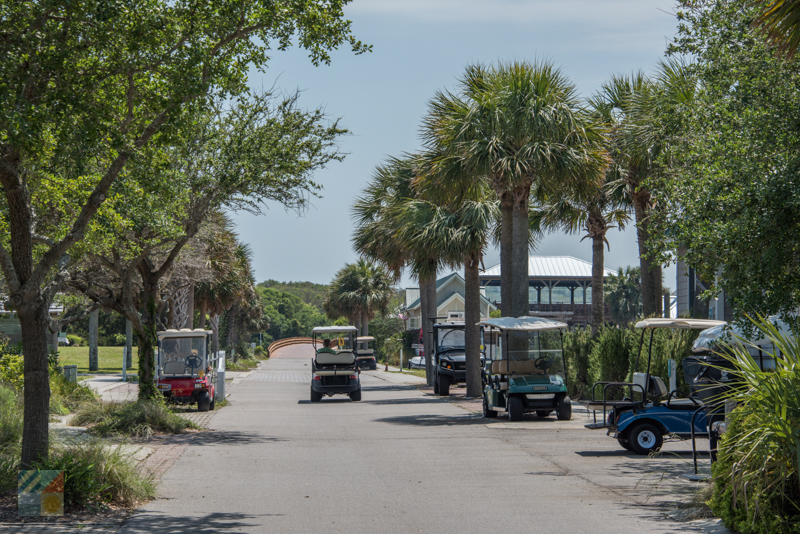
(40, 493)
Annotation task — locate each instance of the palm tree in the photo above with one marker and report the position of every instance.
(624, 295)
(515, 125)
(780, 21)
(595, 215)
(359, 290)
(377, 235)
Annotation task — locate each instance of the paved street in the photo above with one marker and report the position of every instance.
(403, 461)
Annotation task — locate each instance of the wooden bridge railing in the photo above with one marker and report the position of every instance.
(285, 342)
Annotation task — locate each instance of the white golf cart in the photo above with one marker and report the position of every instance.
(365, 354)
(334, 371)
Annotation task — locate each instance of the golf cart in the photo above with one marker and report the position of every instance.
(365, 356)
(642, 419)
(525, 369)
(449, 357)
(335, 372)
(184, 373)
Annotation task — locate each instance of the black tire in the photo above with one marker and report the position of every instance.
(355, 396)
(203, 401)
(444, 385)
(515, 409)
(487, 413)
(315, 396)
(564, 409)
(543, 413)
(435, 384)
(624, 444)
(213, 404)
(645, 438)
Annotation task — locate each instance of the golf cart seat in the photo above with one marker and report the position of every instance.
(505, 367)
(174, 368)
(365, 352)
(342, 358)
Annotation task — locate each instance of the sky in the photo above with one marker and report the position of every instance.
(419, 47)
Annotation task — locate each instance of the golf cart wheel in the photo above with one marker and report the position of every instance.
(315, 396)
(564, 410)
(213, 404)
(436, 385)
(203, 401)
(515, 409)
(543, 413)
(444, 385)
(487, 413)
(624, 444)
(355, 395)
(645, 438)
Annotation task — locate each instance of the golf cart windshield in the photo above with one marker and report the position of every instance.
(183, 356)
(543, 347)
(450, 338)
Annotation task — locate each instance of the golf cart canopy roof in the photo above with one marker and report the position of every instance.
(711, 337)
(364, 339)
(522, 323)
(333, 329)
(184, 332)
(696, 324)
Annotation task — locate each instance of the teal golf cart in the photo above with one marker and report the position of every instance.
(525, 369)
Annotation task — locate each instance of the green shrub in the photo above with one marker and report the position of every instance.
(138, 418)
(76, 340)
(577, 349)
(241, 364)
(756, 479)
(66, 396)
(97, 473)
(260, 353)
(11, 364)
(10, 417)
(610, 357)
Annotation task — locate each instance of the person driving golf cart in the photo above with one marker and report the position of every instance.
(326, 347)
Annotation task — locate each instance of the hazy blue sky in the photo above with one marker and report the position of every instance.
(420, 46)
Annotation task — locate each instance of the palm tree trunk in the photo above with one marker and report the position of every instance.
(432, 311)
(651, 272)
(364, 328)
(598, 317)
(423, 315)
(519, 254)
(201, 322)
(506, 246)
(358, 324)
(472, 315)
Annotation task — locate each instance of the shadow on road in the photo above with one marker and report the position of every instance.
(231, 437)
(433, 420)
(156, 523)
(413, 400)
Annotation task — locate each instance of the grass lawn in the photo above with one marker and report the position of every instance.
(415, 372)
(109, 359)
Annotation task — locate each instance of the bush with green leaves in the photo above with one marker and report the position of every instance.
(577, 351)
(611, 355)
(76, 340)
(10, 417)
(138, 418)
(260, 352)
(66, 396)
(757, 475)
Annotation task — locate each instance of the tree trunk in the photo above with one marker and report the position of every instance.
(423, 316)
(598, 317)
(94, 321)
(214, 321)
(128, 344)
(432, 312)
(506, 245)
(472, 315)
(190, 308)
(651, 272)
(364, 328)
(358, 324)
(519, 254)
(201, 323)
(34, 318)
(148, 341)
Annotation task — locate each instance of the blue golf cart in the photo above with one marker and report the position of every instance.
(649, 413)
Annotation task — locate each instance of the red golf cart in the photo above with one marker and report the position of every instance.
(185, 373)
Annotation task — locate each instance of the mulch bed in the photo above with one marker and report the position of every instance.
(8, 514)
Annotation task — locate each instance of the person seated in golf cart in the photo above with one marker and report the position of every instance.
(326, 347)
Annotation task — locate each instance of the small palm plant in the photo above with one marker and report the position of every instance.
(756, 479)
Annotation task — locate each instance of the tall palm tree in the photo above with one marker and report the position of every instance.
(624, 295)
(595, 215)
(515, 124)
(377, 236)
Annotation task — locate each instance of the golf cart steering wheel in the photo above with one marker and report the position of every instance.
(543, 363)
(193, 362)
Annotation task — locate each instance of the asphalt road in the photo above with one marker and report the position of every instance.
(403, 461)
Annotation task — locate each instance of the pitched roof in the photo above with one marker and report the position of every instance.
(552, 267)
(440, 283)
